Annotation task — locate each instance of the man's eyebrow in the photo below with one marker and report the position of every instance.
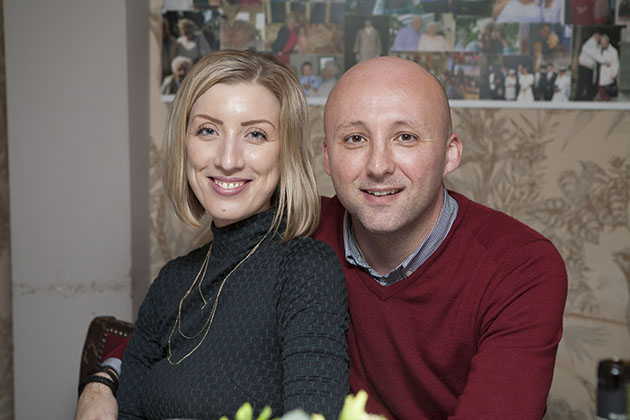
(417, 125)
(350, 124)
(252, 122)
(407, 123)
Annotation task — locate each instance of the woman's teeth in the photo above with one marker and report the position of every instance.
(229, 185)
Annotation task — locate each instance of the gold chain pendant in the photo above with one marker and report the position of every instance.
(206, 327)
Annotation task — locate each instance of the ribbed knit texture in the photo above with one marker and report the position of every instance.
(278, 335)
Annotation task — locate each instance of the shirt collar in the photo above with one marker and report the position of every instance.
(354, 256)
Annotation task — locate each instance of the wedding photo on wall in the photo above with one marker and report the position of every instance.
(559, 51)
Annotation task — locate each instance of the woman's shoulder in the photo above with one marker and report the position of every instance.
(311, 271)
(183, 264)
(196, 255)
(307, 248)
(309, 258)
(174, 278)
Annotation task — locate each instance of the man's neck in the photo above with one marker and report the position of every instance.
(386, 251)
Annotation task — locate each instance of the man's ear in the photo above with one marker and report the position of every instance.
(325, 157)
(453, 154)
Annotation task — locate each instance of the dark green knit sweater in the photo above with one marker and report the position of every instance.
(278, 335)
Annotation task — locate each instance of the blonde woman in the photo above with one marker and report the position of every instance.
(260, 313)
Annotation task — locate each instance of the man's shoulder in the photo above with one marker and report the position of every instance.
(331, 208)
(331, 222)
(490, 227)
(504, 243)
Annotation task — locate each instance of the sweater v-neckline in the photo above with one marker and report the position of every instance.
(386, 292)
(383, 292)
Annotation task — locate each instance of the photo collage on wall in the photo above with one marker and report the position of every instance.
(510, 50)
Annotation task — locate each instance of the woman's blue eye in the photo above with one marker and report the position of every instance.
(205, 131)
(258, 135)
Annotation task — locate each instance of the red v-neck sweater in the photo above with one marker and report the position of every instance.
(472, 334)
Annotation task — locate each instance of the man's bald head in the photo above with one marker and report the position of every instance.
(394, 76)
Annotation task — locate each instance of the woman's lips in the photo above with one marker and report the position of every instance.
(229, 187)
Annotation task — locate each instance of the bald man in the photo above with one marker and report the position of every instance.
(456, 309)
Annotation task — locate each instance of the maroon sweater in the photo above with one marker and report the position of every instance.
(472, 334)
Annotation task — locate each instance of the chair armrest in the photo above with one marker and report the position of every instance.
(106, 336)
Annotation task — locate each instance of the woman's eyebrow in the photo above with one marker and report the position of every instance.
(207, 117)
(252, 122)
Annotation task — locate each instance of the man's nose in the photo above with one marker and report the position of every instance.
(380, 160)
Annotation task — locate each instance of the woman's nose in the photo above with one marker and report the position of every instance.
(229, 155)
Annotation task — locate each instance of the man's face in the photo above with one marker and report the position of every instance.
(417, 23)
(327, 72)
(544, 31)
(290, 22)
(307, 70)
(386, 148)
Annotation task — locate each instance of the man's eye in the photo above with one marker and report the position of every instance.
(406, 137)
(355, 138)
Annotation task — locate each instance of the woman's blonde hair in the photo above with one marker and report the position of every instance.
(296, 199)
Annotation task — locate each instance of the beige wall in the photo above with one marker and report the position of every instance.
(77, 114)
(6, 339)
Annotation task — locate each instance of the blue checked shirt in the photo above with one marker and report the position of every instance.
(417, 258)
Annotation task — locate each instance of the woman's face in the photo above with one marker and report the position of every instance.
(233, 150)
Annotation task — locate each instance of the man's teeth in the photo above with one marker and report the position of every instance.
(382, 193)
(229, 185)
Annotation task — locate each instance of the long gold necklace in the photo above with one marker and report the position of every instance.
(206, 327)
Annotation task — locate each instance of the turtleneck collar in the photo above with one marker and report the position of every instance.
(234, 241)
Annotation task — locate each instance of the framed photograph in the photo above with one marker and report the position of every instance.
(531, 53)
(365, 37)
